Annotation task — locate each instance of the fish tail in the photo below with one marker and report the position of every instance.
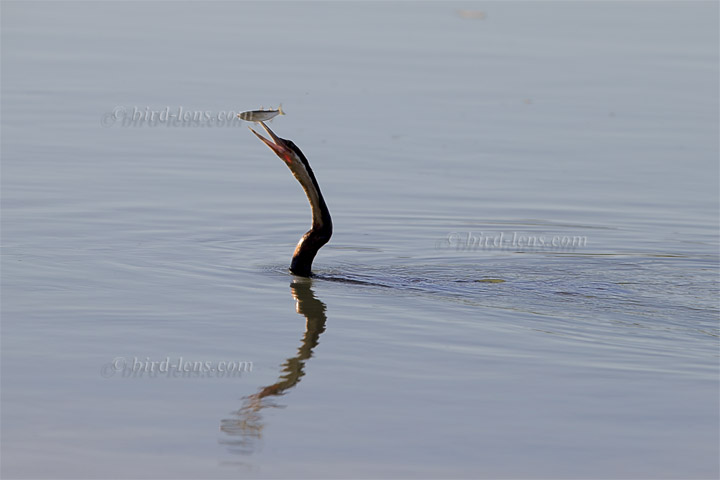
(280, 110)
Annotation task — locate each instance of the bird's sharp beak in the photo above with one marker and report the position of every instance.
(277, 144)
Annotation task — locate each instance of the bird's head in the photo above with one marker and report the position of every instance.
(295, 160)
(285, 149)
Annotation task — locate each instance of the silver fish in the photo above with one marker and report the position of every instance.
(260, 115)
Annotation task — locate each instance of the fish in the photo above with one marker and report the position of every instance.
(260, 115)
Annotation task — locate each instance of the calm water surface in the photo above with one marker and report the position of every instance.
(523, 277)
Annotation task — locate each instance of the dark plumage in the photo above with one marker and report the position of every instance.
(321, 230)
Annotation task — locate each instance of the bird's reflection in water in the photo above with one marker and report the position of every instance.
(246, 425)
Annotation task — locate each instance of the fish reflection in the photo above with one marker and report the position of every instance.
(246, 425)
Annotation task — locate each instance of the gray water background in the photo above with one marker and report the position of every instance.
(418, 352)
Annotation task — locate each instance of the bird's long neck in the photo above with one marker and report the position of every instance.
(321, 230)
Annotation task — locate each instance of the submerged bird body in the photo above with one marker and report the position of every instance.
(321, 230)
